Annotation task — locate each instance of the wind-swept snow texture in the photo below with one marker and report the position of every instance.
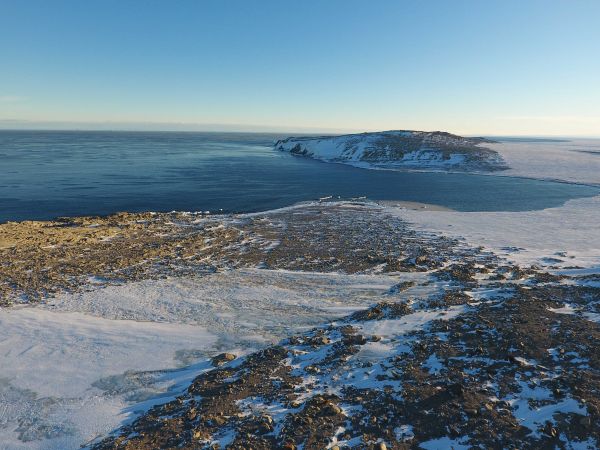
(415, 150)
(78, 366)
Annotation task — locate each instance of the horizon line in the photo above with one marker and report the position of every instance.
(307, 131)
(192, 127)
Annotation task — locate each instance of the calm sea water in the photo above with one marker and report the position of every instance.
(48, 174)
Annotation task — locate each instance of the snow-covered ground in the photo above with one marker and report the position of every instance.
(576, 160)
(67, 376)
(565, 236)
(570, 160)
(74, 368)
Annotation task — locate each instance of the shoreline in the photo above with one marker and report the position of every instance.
(413, 206)
(498, 173)
(171, 230)
(539, 173)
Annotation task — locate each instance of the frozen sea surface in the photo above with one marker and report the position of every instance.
(572, 160)
(564, 236)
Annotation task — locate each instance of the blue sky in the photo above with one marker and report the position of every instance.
(472, 67)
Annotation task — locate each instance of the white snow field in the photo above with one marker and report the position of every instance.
(77, 367)
(56, 389)
(575, 161)
(565, 236)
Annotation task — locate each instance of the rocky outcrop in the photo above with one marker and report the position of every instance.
(497, 356)
(415, 150)
(510, 370)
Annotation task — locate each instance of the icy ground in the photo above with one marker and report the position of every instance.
(576, 160)
(73, 368)
(561, 237)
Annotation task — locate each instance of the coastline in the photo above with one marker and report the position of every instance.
(156, 236)
(543, 169)
(354, 293)
(413, 206)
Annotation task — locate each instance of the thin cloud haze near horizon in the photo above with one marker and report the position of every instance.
(469, 67)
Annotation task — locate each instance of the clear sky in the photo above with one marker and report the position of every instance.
(474, 67)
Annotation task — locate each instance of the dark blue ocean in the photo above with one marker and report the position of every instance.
(45, 174)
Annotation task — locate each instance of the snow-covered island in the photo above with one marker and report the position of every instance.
(411, 150)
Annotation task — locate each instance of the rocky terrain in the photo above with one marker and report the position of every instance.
(494, 362)
(39, 259)
(411, 150)
(475, 352)
(505, 370)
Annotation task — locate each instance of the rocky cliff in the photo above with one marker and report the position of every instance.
(413, 150)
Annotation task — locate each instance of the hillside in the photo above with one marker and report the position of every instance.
(462, 350)
(412, 150)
